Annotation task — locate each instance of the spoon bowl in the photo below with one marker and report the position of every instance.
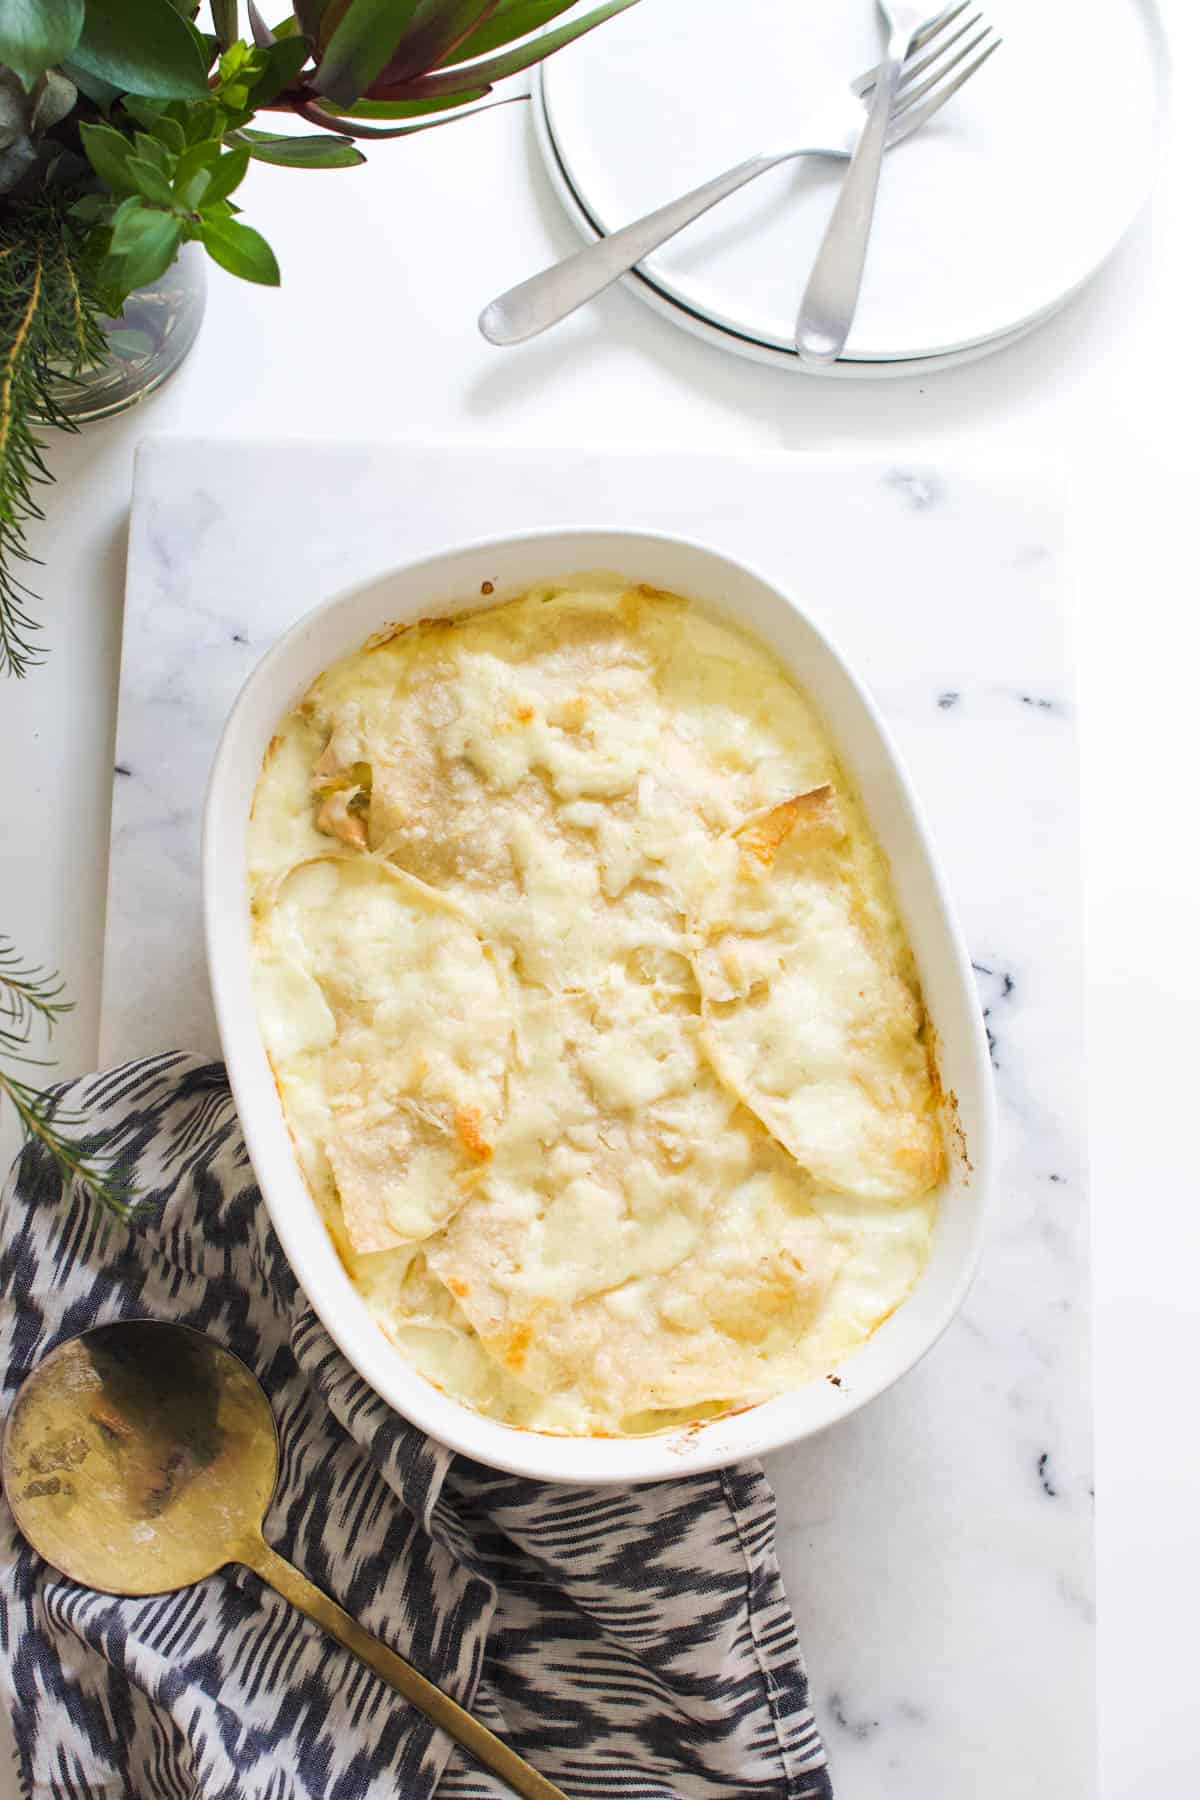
(142, 1456)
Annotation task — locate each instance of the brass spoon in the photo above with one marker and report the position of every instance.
(142, 1456)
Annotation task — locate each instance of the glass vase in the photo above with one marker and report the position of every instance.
(155, 330)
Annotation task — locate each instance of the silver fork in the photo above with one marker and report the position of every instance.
(835, 280)
(541, 301)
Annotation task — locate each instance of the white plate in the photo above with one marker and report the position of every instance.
(989, 219)
(724, 338)
(446, 584)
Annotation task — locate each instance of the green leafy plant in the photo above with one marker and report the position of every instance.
(126, 129)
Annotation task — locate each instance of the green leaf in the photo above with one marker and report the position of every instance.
(225, 21)
(199, 156)
(508, 62)
(512, 19)
(234, 60)
(170, 134)
(205, 121)
(142, 47)
(129, 224)
(241, 250)
(282, 63)
(102, 93)
(91, 209)
(144, 244)
(151, 181)
(191, 191)
(151, 151)
(147, 112)
(109, 154)
(162, 130)
(205, 41)
(37, 34)
(321, 152)
(225, 175)
(153, 256)
(192, 172)
(365, 38)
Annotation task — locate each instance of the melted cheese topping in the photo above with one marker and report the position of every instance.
(592, 1016)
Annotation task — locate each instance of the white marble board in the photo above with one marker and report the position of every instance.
(937, 1546)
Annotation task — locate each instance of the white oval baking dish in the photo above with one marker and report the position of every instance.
(452, 582)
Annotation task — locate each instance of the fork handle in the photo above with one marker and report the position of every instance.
(831, 297)
(534, 305)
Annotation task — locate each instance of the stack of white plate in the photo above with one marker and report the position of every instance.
(989, 219)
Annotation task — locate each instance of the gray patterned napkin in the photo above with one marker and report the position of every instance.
(633, 1643)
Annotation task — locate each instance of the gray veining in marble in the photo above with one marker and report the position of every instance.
(937, 1546)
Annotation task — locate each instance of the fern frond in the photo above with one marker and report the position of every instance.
(45, 1122)
(50, 325)
(27, 992)
(31, 995)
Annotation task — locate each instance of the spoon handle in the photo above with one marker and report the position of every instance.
(445, 1713)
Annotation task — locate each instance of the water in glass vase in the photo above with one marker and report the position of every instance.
(154, 332)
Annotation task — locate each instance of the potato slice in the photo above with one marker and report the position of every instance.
(399, 1077)
(696, 1325)
(809, 1014)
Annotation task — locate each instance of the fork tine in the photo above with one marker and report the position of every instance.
(910, 96)
(938, 23)
(865, 85)
(915, 117)
(869, 77)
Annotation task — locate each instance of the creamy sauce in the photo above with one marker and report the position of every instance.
(592, 1016)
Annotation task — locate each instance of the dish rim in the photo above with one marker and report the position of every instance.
(593, 1459)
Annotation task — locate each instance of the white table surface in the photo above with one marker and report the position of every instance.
(373, 337)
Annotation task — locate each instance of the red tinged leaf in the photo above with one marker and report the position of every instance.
(260, 31)
(406, 109)
(506, 62)
(352, 128)
(360, 46)
(508, 21)
(310, 13)
(437, 28)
